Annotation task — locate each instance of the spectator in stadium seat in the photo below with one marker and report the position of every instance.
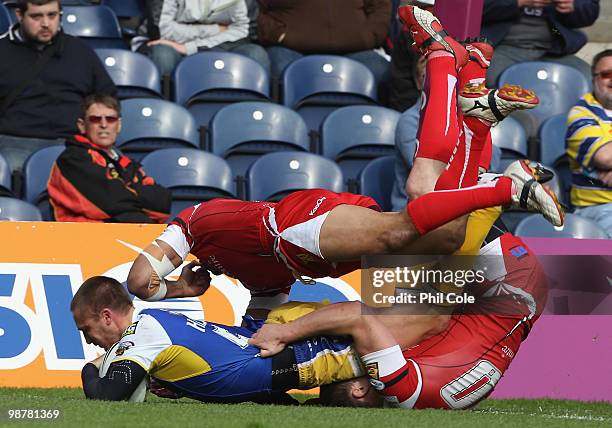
(44, 77)
(92, 181)
(189, 27)
(149, 27)
(403, 91)
(536, 30)
(589, 135)
(352, 28)
(406, 141)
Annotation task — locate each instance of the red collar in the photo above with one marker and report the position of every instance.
(82, 139)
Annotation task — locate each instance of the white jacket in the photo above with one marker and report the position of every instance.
(194, 22)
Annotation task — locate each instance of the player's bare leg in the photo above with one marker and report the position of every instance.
(351, 231)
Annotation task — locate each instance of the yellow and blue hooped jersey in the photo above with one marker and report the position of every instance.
(589, 128)
(205, 361)
(213, 362)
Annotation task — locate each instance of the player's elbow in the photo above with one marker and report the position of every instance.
(138, 281)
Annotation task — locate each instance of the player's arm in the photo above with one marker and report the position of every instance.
(147, 275)
(369, 333)
(120, 382)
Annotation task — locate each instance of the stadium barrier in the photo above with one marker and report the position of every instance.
(42, 264)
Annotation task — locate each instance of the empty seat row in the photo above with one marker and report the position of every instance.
(204, 83)
(242, 132)
(558, 87)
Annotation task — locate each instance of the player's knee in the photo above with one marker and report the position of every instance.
(454, 236)
(394, 241)
(455, 240)
(415, 188)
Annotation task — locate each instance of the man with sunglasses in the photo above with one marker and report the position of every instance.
(589, 135)
(92, 181)
(44, 77)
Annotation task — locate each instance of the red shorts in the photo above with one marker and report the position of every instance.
(459, 367)
(294, 225)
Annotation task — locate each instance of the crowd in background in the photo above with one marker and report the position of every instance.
(47, 77)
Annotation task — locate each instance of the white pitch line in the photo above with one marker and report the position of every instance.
(548, 416)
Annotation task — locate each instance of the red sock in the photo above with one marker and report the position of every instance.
(432, 210)
(438, 126)
(487, 154)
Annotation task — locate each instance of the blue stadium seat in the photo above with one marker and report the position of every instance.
(124, 8)
(207, 81)
(552, 151)
(193, 175)
(242, 132)
(5, 176)
(96, 25)
(509, 135)
(6, 19)
(16, 210)
(557, 85)
(354, 135)
(552, 139)
(275, 175)
(149, 124)
(134, 74)
(315, 85)
(36, 171)
(376, 180)
(575, 227)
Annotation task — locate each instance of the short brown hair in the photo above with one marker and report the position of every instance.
(104, 99)
(22, 5)
(101, 292)
(599, 57)
(339, 394)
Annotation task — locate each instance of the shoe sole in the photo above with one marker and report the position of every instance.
(536, 175)
(425, 20)
(516, 93)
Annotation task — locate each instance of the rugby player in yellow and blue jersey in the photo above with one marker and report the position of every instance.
(201, 360)
(588, 138)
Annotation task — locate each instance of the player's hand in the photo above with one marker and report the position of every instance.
(564, 6)
(179, 47)
(269, 339)
(606, 177)
(193, 283)
(156, 388)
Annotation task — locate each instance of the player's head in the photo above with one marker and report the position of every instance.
(350, 393)
(602, 78)
(102, 310)
(39, 19)
(100, 119)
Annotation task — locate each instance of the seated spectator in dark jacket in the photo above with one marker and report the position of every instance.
(39, 108)
(352, 28)
(187, 27)
(92, 181)
(536, 30)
